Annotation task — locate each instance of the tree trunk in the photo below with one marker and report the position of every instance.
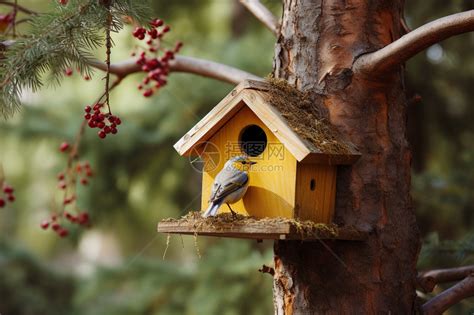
(318, 43)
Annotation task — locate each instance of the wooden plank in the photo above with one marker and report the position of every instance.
(260, 229)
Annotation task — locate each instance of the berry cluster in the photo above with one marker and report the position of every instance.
(83, 170)
(157, 67)
(75, 172)
(106, 122)
(8, 195)
(57, 222)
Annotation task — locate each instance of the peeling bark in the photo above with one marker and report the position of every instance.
(316, 49)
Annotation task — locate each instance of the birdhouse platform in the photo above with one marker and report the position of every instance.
(226, 225)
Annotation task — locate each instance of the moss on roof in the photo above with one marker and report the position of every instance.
(306, 118)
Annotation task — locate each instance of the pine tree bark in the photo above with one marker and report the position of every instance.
(317, 45)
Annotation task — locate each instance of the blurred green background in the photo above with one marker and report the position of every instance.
(117, 266)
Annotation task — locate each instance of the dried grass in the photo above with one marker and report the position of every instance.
(306, 118)
(221, 222)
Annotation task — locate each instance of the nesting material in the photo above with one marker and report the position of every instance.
(306, 118)
(227, 225)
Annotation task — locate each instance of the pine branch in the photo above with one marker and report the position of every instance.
(61, 39)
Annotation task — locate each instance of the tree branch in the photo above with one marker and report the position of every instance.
(412, 43)
(427, 280)
(18, 7)
(262, 13)
(449, 297)
(197, 66)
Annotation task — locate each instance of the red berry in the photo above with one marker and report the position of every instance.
(84, 181)
(102, 134)
(118, 121)
(45, 224)
(11, 198)
(68, 215)
(2, 203)
(68, 72)
(153, 33)
(87, 78)
(89, 172)
(55, 226)
(92, 124)
(62, 184)
(101, 125)
(166, 29)
(60, 176)
(8, 189)
(64, 147)
(88, 109)
(83, 218)
(148, 93)
(63, 2)
(156, 22)
(114, 130)
(87, 116)
(63, 232)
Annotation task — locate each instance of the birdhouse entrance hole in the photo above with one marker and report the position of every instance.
(312, 184)
(253, 140)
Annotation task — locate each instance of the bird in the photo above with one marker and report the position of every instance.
(230, 184)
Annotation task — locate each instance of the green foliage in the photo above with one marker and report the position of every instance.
(225, 281)
(64, 38)
(28, 287)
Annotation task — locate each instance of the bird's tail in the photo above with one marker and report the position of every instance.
(212, 209)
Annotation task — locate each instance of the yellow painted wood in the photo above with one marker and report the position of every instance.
(318, 204)
(272, 184)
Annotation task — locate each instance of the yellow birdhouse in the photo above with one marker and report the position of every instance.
(296, 153)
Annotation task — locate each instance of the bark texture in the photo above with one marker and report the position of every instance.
(317, 46)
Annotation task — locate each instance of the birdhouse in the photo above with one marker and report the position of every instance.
(296, 152)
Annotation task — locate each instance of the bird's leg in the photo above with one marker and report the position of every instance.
(234, 215)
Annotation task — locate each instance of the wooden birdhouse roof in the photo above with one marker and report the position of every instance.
(287, 113)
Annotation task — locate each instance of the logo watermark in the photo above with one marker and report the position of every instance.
(207, 156)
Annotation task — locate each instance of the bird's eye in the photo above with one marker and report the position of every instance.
(244, 162)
